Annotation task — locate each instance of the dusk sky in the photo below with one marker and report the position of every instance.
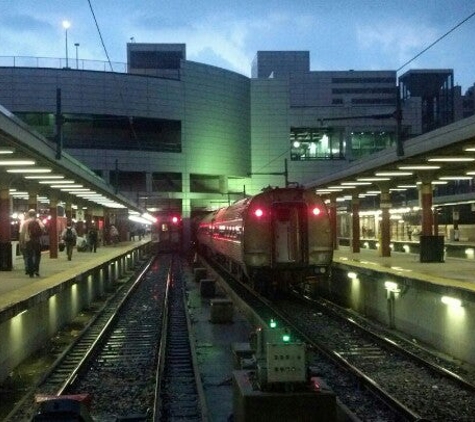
(340, 34)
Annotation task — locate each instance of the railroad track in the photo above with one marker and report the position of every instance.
(414, 386)
(56, 377)
(180, 394)
(397, 385)
(116, 362)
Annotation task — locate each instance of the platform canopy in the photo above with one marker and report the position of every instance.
(27, 158)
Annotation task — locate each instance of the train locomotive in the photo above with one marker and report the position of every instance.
(274, 240)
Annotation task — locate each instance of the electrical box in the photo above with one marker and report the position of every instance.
(286, 362)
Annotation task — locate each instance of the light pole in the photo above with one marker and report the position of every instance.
(66, 26)
(77, 57)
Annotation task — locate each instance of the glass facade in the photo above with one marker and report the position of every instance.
(156, 59)
(316, 144)
(369, 142)
(94, 131)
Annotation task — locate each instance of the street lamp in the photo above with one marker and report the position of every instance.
(77, 60)
(66, 26)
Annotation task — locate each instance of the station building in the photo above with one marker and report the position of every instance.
(177, 135)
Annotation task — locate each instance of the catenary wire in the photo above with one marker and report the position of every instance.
(100, 34)
(437, 40)
(130, 118)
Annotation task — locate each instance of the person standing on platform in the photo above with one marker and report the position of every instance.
(69, 236)
(114, 235)
(93, 237)
(30, 242)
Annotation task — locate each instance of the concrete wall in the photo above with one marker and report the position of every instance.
(416, 310)
(28, 330)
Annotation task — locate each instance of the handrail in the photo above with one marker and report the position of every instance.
(60, 63)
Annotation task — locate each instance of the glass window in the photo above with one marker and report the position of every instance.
(155, 59)
(316, 144)
(368, 142)
(110, 131)
(131, 181)
(166, 182)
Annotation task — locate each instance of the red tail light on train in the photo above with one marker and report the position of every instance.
(259, 212)
(316, 211)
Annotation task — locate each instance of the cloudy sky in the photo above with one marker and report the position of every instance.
(340, 34)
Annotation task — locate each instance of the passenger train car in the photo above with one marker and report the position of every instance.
(278, 238)
(167, 232)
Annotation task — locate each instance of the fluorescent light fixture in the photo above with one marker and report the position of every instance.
(419, 167)
(45, 176)
(352, 275)
(392, 286)
(439, 182)
(397, 189)
(456, 178)
(407, 186)
(67, 186)
(17, 163)
(35, 170)
(470, 149)
(451, 301)
(451, 160)
(356, 183)
(56, 182)
(394, 173)
(149, 217)
(5, 151)
(373, 179)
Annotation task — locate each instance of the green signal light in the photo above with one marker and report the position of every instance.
(273, 323)
(286, 338)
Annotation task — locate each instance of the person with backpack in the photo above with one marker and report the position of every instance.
(69, 236)
(30, 242)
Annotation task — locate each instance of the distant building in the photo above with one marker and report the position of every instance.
(434, 89)
(468, 102)
(177, 134)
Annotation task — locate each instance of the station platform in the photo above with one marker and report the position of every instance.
(456, 273)
(16, 286)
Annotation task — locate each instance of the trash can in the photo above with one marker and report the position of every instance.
(6, 263)
(431, 248)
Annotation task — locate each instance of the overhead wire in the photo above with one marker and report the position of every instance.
(100, 34)
(437, 40)
(129, 118)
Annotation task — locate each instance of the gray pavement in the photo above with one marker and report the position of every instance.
(454, 272)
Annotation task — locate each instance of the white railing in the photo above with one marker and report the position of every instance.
(60, 63)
